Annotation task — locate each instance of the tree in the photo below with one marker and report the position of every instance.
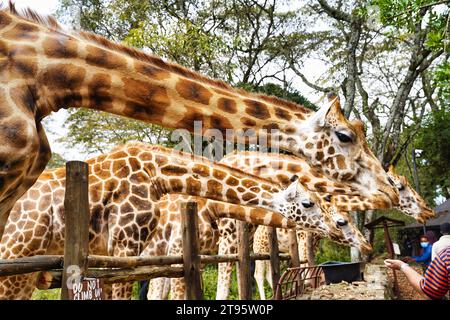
(382, 64)
(56, 161)
(434, 139)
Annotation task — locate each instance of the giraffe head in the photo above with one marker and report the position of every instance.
(338, 148)
(345, 232)
(411, 202)
(302, 206)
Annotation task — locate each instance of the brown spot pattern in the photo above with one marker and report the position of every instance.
(193, 91)
(257, 109)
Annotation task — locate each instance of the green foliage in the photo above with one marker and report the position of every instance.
(331, 251)
(98, 131)
(406, 14)
(434, 139)
(56, 161)
(52, 294)
(276, 90)
(379, 245)
(442, 81)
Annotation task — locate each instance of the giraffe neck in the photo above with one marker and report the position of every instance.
(178, 172)
(220, 210)
(279, 168)
(85, 70)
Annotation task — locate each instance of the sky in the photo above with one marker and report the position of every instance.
(41, 6)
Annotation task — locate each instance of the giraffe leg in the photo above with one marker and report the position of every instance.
(259, 277)
(223, 280)
(225, 269)
(128, 239)
(156, 289)
(178, 289)
(107, 289)
(268, 269)
(166, 290)
(30, 240)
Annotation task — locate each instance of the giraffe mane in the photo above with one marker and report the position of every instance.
(262, 154)
(31, 15)
(51, 23)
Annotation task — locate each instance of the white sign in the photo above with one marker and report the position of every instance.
(396, 249)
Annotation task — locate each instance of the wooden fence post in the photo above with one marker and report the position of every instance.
(293, 248)
(76, 213)
(310, 249)
(244, 276)
(274, 257)
(191, 257)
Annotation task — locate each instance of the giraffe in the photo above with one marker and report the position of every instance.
(217, 232)
(124, 188)
(411, 203)
(45, 68)
(279, 167)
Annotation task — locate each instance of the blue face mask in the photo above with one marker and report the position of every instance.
(424, 244)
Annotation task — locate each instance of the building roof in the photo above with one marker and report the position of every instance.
(443, 207)
(389, 223)
(442, 215)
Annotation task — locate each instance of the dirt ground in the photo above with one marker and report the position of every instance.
(406, 291)
(342, 291)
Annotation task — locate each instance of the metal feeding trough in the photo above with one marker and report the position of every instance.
(336, 271)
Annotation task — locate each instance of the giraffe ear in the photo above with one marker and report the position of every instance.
(332, 105)
(391, 169)
(291, 191)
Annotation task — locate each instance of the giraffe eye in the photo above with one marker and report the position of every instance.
(307, 204)
(401, 188)
(341, 223)
(344, 138)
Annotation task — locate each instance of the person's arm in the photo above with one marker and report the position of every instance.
(434, 284)
(413, 277)
(426, 256)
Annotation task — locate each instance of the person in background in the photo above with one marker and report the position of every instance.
(431, 237)
(425, 257)
(444, 240)
(435, 284)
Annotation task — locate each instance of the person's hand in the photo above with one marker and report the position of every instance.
(393, 264)
(406, 259)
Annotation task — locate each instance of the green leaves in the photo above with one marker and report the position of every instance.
(434, 139)
(408, 15)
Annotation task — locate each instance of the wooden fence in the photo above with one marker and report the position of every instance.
(57, 271)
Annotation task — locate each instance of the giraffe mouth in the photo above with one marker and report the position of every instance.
(392, 198)
(366, 248)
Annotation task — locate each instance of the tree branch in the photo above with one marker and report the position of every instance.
(335, 13)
